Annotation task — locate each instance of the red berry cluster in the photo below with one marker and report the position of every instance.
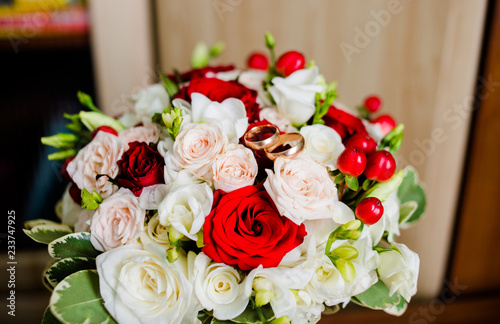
(286, 64)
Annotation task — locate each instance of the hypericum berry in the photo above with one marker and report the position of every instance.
(386, 122)
(258, 61)
(290, 62)
(369, 210)
(363, 141)
(373, 103)
(106, 129)
(380, 166)
(352, 161)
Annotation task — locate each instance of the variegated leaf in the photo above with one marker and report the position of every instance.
(45, 231)
(64, 267)
(72, 246)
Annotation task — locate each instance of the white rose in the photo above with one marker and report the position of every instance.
(323, 144)
(119, 220)
(149, 133)
(303, 190)
(141, 286)
(73, 214)
(295, 94)
(399, 271)
(155, 233)
(220, 288)
(196, 148)
(230, 115)
(98, 157)
(273, 116)
(185, 208)
(253, 79)
(234, 169)
(389, 222)
(151, 100)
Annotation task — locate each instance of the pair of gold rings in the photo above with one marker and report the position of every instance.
(268, 138)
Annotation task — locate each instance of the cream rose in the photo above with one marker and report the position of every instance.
(155, 233)
(220, 288)
(196, 148)
(234, 169)
(141, 286)
(303, 190)
(399, 270)
(323, 144)
(185, 208)
(149, 133)
(98, 157)
(119, 220)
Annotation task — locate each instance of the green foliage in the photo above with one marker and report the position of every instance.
(377, 297)
(45, 231)
(92, 200)
(412, 197)
(72, 246)
(64, 267)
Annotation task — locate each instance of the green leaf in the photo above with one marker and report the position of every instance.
(45, 231)
(169, 86)
(406, 211)
(352, 182)
(64, 267)
(399, 309)
(377, 297)
(49, 318)
(76, 299)
(87, 101)
(393, 140)
(251, 315)
(72, 246)
(90, 200)
(410, 190)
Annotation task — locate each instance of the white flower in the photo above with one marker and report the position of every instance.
(196, 148)
(98, 157)
(323, 144)
(119, 220)
(73, 214)
(303, 190)
(389, 222)
(374, 130)
(234, 169)
(151, 100)
(253, 79)
(141, 286)
(185, 208)
(220, 288)
(230, 115)
(295, 94)
(149, 133)
(274, 117)
(280, 281)
(399, 271)
(155, 233)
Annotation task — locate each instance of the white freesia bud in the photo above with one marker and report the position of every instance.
(399, 271)
(218, 288)
(140, 286)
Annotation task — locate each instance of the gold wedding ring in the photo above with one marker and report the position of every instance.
(255, 140)
(276, 145)
(294, 140)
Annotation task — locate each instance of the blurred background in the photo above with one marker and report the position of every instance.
(435, 64)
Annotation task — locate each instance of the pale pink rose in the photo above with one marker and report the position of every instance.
(234, 169)
(149, 133)
(302, 189)
(119, 220)
(98, 157)
(196, 148)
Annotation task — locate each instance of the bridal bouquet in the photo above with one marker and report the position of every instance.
(230, 195)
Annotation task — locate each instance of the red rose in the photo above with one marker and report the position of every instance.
(343, 122)
(140, 167)
(219, 90)
(200, 73)
(245, 229)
